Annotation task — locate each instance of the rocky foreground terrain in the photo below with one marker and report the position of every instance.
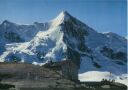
(30, 77)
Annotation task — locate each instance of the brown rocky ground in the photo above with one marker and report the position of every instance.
(30, 77)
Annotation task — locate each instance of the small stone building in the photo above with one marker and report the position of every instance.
(67, 68)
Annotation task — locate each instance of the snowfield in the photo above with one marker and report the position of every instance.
(97, 76)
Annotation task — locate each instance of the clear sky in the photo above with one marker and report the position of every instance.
(102, 15)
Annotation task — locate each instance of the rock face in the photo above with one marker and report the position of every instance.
(108, 52)
(65, 37)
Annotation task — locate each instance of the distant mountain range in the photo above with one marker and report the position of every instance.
(64, 37)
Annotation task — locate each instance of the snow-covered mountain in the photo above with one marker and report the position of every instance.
(64, 37)
(14, 33)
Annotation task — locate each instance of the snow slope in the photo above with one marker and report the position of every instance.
(98, 76)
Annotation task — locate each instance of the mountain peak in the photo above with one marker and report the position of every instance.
(6, 22)
(61, 18)
(64, 15)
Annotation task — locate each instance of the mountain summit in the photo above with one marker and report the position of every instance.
(61, 18)
(64, 37)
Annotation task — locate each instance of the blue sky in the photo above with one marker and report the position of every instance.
(102, 15)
